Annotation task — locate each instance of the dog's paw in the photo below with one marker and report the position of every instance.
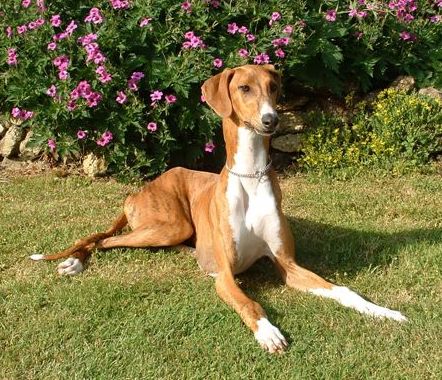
(70, 267)
(269, 337)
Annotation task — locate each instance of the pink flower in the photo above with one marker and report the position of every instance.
(243, 53)
(52, 145)
(40, 21)
(52, 46)
(63, 75)
(71, 105)
(202, 98)
(87, 39)
(152, 127)
(71, 28)
(16, 112)
(156, 95)
(283, 41)
(330, 15)
(26, 3)
(22, 29)
(52, 91)
(121, 97)
(32, 25)
(261, 59)
(209, 147)
(250, 37)
(9, 32)
(41, 5)
(232, 28)
(243, 30)
(276, 16)
(280, 53)
(93, 99)
(105, 138)
(218, 62)
(145, 21)
(81, 135)
(12, 57)
(170, 99)
(189, 35)
(120, 4)
(137, 75)
(55, 20)
(186, 6)
(407, 36)
(288, 30)
(94, 16)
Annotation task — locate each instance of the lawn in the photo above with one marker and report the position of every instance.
(151, 314)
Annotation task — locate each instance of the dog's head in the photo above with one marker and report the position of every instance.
(247, 94)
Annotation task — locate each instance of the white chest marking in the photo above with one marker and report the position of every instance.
(253, 213)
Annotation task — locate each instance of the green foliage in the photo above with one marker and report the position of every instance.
(294, 35)
(400, 131)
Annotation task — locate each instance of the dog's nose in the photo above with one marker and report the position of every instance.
(270, 120)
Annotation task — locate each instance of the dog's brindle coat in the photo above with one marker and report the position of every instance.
(233, 218)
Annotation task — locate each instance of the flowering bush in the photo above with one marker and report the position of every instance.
(397, 132)
(122, 77)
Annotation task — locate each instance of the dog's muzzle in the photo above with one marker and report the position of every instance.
(270, 122)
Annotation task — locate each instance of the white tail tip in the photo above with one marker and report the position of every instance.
(36, 257)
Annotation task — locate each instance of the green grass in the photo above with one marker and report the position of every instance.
(140, 314)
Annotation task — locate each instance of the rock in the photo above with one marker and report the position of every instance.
(280, 160)
(9, 145)
(27, 151)
(403, 83)
(293, 103)
(291, 122)
(289, 143)
(3, 129)
(94, 166)
(431, 92)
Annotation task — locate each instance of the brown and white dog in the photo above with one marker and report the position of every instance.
(233, 218)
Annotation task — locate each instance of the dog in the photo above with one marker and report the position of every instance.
(233, 218)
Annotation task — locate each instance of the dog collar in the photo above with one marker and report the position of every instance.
(257, 174)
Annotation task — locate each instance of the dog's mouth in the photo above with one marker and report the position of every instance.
(261, 130)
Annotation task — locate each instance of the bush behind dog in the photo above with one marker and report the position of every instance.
(122, 78)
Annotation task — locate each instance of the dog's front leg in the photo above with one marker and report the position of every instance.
(305, 280)
(251, 312)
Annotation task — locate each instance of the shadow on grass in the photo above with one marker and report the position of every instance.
(332, 250)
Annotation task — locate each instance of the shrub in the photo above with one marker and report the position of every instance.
(400, 131)
(122, 77)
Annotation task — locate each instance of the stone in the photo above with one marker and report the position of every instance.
(27, 151)
(94, 166)
(9, 145)
(3, 130)
(291, 122)
(293, 103)
(431, 92)
(289, 143)
(403, 83)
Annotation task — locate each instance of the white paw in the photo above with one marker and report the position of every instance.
(70, 267)
(351, 299)
(36, 257)
(269, 337)
(383, 312)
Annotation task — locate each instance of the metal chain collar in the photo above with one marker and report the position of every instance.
(257, 174)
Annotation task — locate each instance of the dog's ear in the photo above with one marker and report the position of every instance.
(276, 75)
(216, 93)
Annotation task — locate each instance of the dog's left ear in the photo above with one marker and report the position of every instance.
(216, 93)
(276, 75)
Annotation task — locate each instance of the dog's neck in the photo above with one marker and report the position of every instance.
(247, 152)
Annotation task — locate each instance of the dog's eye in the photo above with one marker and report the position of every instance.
(244, 88)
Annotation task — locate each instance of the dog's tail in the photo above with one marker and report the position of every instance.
(83, 244)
